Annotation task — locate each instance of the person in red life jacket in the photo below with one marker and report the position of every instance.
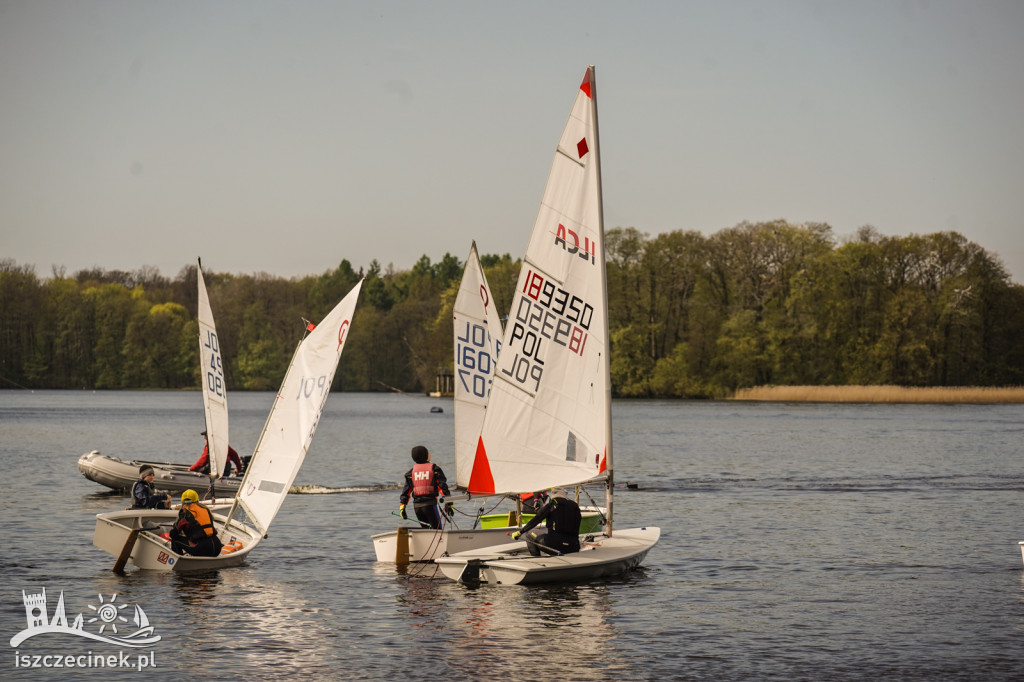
(144, 494)
(193, 533)
(202, 464)
(533, 501)
(424, 483)
(562, 518)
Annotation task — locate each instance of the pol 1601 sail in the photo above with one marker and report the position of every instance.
(477, 332)
(548, 417)
(293, 419)
(215, 395)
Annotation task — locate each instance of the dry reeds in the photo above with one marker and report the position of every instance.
(883, 394)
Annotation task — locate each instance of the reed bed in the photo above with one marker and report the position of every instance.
(883, 394)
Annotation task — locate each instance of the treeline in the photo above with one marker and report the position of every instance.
(690, 316)
(781, 304)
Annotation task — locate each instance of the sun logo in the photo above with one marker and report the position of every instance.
(108, 613)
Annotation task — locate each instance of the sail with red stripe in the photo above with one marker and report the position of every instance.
(477, 340)
(548, 420)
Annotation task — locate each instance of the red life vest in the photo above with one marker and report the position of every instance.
(423, 480)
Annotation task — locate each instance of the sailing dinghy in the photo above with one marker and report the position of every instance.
(477, 338)
(119, 474)
(477, 342)
(135, 535)
(548, 419)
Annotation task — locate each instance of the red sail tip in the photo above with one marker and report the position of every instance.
(481, 481)
(585, 85)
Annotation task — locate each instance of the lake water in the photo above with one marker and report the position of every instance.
(799, 541)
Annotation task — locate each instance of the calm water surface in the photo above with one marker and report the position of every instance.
(798, 542)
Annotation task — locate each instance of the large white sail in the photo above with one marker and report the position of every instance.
(548, 417)
(477, 340)
(215, 395)
(293, 419)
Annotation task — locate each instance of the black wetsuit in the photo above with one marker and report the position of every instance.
(562, 518)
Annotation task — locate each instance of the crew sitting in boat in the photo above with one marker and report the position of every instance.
(194, 533)
(424, 483)
(533, 501)
(562, 518)
(202, 464)
(144, 494)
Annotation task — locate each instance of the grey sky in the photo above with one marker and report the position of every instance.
(285, 136)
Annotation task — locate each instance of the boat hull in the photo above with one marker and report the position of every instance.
(151, 552)
(511, 564)
(118, 474)
(426, 544)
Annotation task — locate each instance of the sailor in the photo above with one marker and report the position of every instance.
(533, 501)
(425, 482)
(562, 518)
(144, 494)
(194, 533)
(202, 464)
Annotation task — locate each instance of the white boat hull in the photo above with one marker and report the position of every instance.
(511, 564)
(118, 474)
(426, 544)
(151, 552)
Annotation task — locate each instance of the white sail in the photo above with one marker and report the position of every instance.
(548, 420)
(477, 332)
(293, 418)
(215, 395)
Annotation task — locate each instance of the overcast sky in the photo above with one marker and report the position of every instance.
(286, 136)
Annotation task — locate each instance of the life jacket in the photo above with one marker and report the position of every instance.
(423, 480)
(203, 517)
(532, 502)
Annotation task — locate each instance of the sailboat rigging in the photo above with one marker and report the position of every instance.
(548, 420)
(135, 535)
(121, 475)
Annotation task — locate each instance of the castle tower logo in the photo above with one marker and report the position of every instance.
(114, 621)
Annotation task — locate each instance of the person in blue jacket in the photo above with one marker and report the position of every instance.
(144, 494)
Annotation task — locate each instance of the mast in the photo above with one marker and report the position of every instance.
(610, 480)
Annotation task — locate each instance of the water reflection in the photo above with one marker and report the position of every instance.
(266, 619)
(195, 589)
(508, 630)
(220, 622)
